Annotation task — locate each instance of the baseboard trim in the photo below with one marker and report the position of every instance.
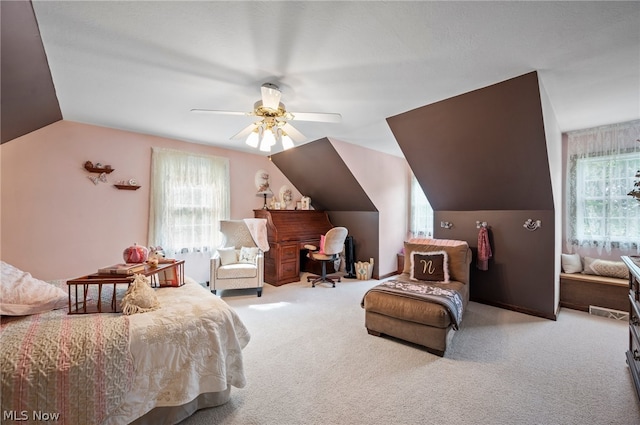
(517, 309)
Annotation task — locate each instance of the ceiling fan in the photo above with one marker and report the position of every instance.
(273, 125)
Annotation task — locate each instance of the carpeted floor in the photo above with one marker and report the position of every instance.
(311, 361)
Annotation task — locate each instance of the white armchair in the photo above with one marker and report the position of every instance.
(238, 263)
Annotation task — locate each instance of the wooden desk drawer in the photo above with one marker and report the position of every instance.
(289, 270)
(289, 252)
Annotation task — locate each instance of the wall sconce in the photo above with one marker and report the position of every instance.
(446, 225)
(532, 225)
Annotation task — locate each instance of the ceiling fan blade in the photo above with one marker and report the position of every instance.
(212, 111)
(245, 131)
(293, 133)
(316, 116)
(270, 96)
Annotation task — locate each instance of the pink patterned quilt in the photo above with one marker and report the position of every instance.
(70, 369)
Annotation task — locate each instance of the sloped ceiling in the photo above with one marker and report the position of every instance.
(141, 66)
(483, 150)
(29, 100)
(318, 171)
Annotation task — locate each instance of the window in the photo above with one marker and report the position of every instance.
(189, 196)
(601, 171)
(421, 212)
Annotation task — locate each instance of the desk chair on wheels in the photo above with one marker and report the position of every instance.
(333, 246)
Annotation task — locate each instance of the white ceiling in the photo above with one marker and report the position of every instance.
(141, 66)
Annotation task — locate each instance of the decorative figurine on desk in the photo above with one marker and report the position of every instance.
(262, 184)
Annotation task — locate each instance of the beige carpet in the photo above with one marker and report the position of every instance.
(311, 361)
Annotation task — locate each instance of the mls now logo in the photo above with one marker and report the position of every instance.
(23, 415)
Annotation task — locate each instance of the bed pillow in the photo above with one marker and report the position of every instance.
(571, 263)
(606, 268)
(248, 255)
(21, 294)
(228, 256)
(430, 266)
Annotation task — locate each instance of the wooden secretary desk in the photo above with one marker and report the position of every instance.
(288, 231)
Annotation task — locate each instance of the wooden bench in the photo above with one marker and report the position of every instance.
(578, 291)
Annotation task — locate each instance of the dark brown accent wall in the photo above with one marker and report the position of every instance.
(482, 156)
(29, 99)
(482, 150)
(317, 170)
(521, 272)
(364, 227)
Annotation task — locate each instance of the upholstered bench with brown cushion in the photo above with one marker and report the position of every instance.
(418, 321)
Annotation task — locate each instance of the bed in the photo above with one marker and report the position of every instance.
(157, 367)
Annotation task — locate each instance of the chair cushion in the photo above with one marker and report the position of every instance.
(414, 310)
(228, 256)
(321, 257)
(248, 255)
(237, 271)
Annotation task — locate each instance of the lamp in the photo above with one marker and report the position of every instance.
(267, 134)
(266, 193)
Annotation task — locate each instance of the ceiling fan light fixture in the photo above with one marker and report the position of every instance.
(268, 140)
(287, 143)
(254, 139)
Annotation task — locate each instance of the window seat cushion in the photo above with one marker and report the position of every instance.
(237, 271)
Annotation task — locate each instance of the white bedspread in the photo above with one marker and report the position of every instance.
(191, 345)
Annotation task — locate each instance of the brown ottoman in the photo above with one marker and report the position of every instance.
(418, 321)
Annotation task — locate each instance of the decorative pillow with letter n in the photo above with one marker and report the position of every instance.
(430, 266)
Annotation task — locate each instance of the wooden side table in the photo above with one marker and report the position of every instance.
(164, 275)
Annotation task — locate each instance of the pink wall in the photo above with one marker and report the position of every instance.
(385, 180)
(56, 224)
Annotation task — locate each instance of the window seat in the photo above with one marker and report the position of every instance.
(578, 291)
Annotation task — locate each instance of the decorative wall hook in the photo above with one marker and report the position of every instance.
(480, 224)
(446, 225)
(532, 225)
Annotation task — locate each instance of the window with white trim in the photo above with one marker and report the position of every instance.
(602, 164)
(603, 209)
(190, 194)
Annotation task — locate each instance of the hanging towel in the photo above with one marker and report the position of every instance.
(484, 249)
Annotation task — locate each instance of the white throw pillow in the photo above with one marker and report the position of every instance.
(228, 256)
(248, 255)
(571, 263)
(21, 294)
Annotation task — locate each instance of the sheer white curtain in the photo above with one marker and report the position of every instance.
(421, 212)
(189, 196)
(601, 168)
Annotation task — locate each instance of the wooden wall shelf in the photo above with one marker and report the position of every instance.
(98, 170)
(127, 186)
